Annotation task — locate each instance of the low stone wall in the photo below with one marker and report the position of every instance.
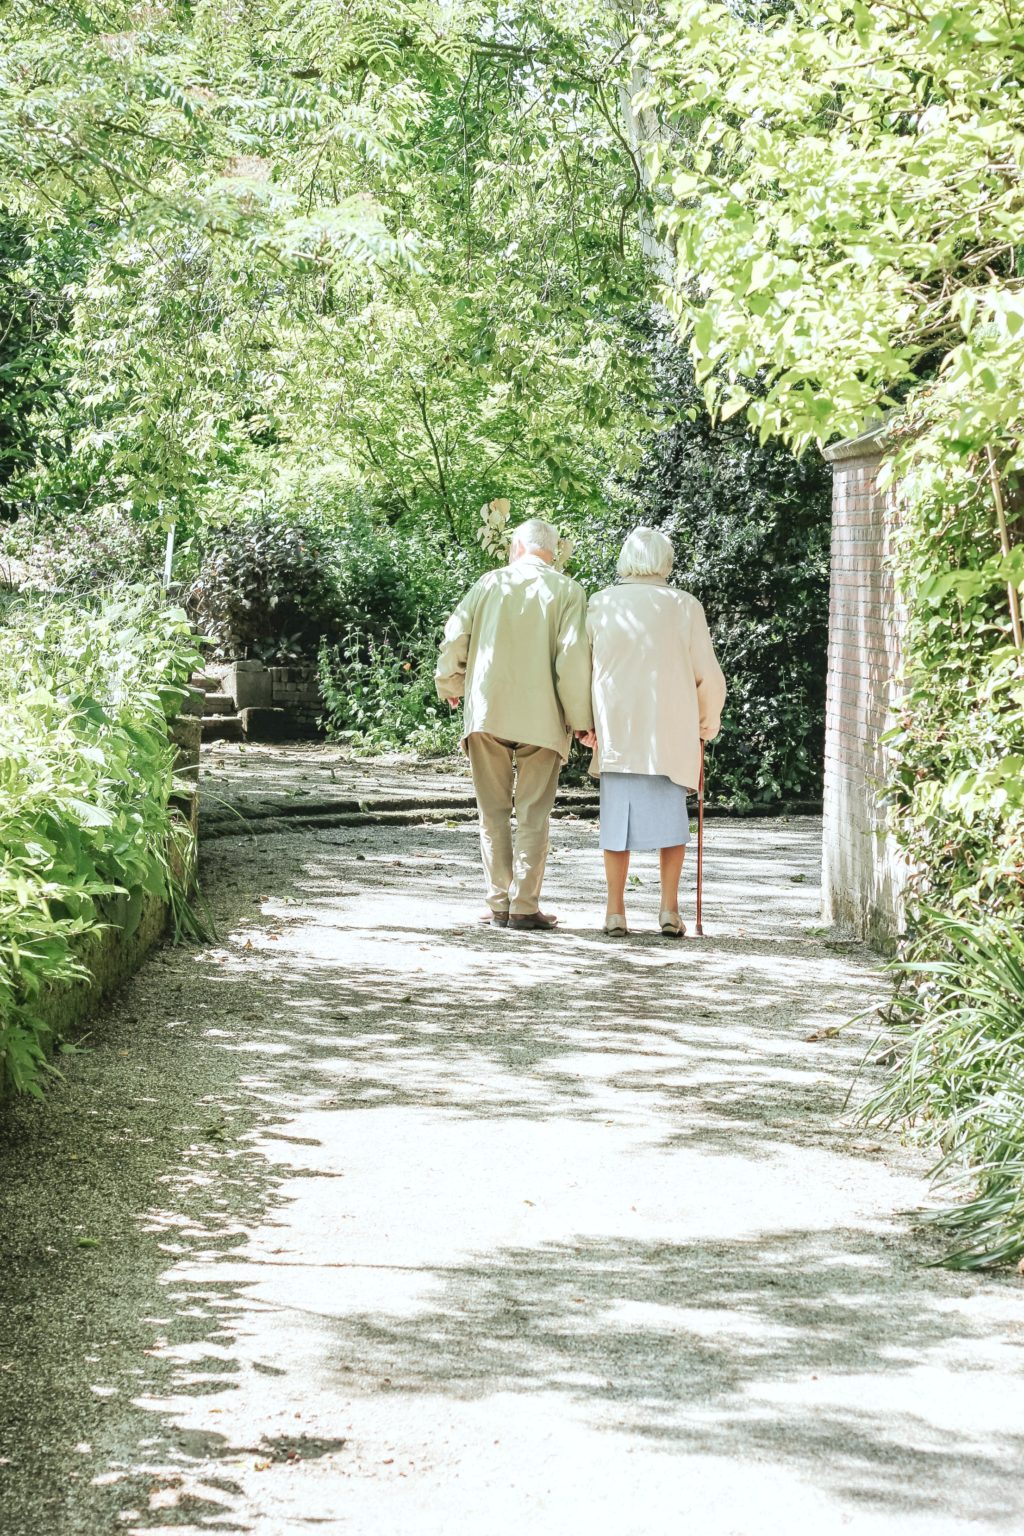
(114, 953)
(111, 958)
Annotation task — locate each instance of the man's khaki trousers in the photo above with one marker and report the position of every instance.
(507, 773)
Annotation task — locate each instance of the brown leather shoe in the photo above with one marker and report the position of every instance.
(528, 920)
(499, 919)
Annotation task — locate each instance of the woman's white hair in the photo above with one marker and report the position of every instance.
(647, 552)
(535, 534)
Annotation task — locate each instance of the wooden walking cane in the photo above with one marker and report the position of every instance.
(699, 926)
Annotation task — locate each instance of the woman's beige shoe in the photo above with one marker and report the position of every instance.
(672, 925)
(615, 926)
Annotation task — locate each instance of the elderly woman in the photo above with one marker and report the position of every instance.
(658, 692)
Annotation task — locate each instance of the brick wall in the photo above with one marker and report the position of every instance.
(297, 690)
(275, 703)
(861, 873)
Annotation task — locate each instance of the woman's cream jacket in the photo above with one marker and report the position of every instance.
(657, 687)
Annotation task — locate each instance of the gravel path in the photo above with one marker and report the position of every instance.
(368, 1219)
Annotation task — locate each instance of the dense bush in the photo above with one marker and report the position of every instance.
(750, 525)
(38, 266)
(380, 694)
(86, 553)
(377, 679)
(85, 781)
(264, 587)
(274, 584)
(396, 586)
(957, 1025)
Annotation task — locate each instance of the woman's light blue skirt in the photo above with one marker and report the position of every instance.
(640, 811)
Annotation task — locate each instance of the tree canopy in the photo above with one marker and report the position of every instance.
(392, 247)
(841, 187)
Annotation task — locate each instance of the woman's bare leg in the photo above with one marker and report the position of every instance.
(616, 868)
(670, 861)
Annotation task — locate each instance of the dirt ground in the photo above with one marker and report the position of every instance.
(366, 1218)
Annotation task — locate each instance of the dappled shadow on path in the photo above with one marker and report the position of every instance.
(469, 1231)
(787, 1349)
(376, 994)
(557, 1191)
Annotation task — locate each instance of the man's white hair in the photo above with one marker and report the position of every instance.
(535, 534)
(646, 552)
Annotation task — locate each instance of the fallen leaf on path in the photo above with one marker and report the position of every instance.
(823, 1034)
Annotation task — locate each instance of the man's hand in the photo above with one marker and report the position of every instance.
(454, 703)
(588, 739)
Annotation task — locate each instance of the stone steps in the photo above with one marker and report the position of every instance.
(223, 728)
(205, 682)
(247, 701)
(219, 719)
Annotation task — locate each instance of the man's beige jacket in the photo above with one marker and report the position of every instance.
(658, 688)
(516, 650)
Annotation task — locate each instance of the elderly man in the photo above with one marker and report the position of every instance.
(516, 651)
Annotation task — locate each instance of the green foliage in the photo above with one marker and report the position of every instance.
(264, 588)
(960, 1077)
(379, 694)
(34, 265)
(377, 679)
(85, 553)
(391, 584)
(957, 748)
(279, 579)
(86, 830)
(315, 288)
(751, 527)
(392, 246)
(839, 185)
(956, 793)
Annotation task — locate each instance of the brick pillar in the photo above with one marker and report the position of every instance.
(862, 877)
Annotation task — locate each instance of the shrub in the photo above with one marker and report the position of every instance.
(396, 584)
(85, 553)
(959, 1079)
(380, 694)
(85, 781)
(276, 582)
(956, 798)
(264, 587)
